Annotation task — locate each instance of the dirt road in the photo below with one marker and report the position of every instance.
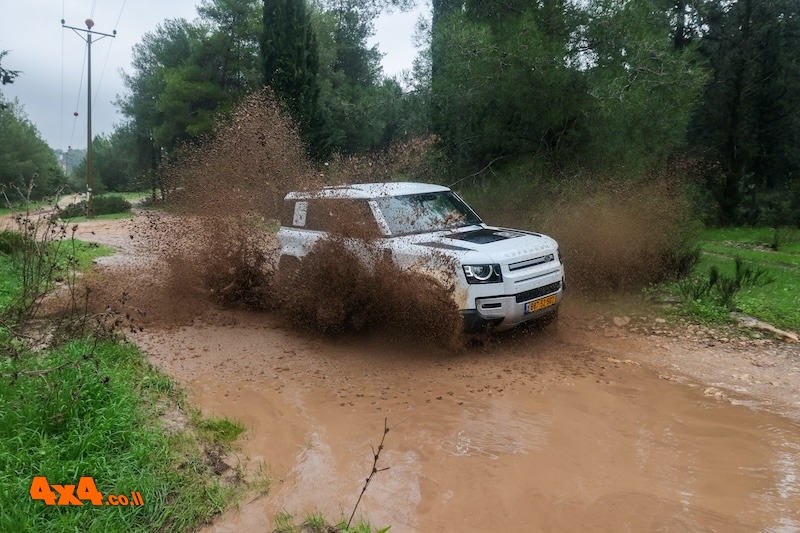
(639, 426)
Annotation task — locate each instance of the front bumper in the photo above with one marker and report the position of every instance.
(504, 312)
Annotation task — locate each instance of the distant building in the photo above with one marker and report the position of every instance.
(70, 158)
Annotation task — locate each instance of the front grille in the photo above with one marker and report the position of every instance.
(538, 292)
(531, 262)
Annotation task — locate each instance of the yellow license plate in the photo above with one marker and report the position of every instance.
(541, 303)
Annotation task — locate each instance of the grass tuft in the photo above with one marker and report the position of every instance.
(740, 269)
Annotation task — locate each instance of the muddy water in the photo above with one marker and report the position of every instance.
(544, 431)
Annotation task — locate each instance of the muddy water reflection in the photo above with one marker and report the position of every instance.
(474, 452)
(593, 457)
(648, 455)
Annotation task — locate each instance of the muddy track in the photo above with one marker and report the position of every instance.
(589, 425)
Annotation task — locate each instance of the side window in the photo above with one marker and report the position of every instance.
(318, 215)
(300, 212)
(347, 217)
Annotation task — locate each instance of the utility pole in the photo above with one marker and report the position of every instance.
(88, 39)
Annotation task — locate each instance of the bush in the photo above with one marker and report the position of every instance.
(11, 242)
(101, 205)
(722, 289)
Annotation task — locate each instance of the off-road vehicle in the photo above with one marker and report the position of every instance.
(500, 277)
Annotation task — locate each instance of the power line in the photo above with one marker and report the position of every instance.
(78, 102)
(108, 53)
(120, 14)
(102, 73)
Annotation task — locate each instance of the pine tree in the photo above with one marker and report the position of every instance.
(290, 64)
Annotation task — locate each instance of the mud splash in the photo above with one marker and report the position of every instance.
(334, 291)
(216, 243)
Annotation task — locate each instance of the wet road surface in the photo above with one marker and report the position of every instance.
(549, 430)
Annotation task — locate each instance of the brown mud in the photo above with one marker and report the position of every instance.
(548, 430)
(594, 424)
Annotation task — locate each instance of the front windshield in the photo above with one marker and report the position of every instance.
(419, 213)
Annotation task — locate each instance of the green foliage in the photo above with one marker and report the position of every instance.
(359, 111)
(10, 280)
(721, 288)
(11, 242)
(101, 205)
(6, 76)
(761, 283)
(637, 113)
(290, 61)
(114, 163)
(28, 167)
(36, 256)
(187, 73)
(86, 407)
(284, 522)
(749, 118)
(592, 84)
(501, 88)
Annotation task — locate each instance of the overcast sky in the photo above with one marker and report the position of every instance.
(52, 86)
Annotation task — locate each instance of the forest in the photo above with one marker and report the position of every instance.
(707, 91)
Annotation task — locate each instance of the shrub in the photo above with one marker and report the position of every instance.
(720, 288)
(11, 242)
(110, 204)
(101, 205)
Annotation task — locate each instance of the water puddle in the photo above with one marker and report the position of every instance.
(522, 439)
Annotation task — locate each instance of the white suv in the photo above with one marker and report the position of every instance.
(502, 277)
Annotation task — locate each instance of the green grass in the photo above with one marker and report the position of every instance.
(778, 302)
(760, 256)
(10, 284)
(71, 254)
(787, 239)
(92, 409)
(85, 252)
(22, 207)
(221, 431)
(316, 523)
(133, 196)
(97, 419)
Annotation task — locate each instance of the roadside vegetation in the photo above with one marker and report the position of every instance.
(109, 206)
(748, 270)
(316, 523)
(77, 400)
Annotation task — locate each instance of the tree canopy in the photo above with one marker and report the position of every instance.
(26, 162)
(606, 86)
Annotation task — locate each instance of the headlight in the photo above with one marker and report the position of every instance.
(483, 273)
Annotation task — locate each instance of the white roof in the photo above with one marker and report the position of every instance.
(369, 190)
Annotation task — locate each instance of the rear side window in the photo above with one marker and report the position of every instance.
(332, 215)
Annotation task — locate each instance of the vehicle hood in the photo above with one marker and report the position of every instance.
(486, 243)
